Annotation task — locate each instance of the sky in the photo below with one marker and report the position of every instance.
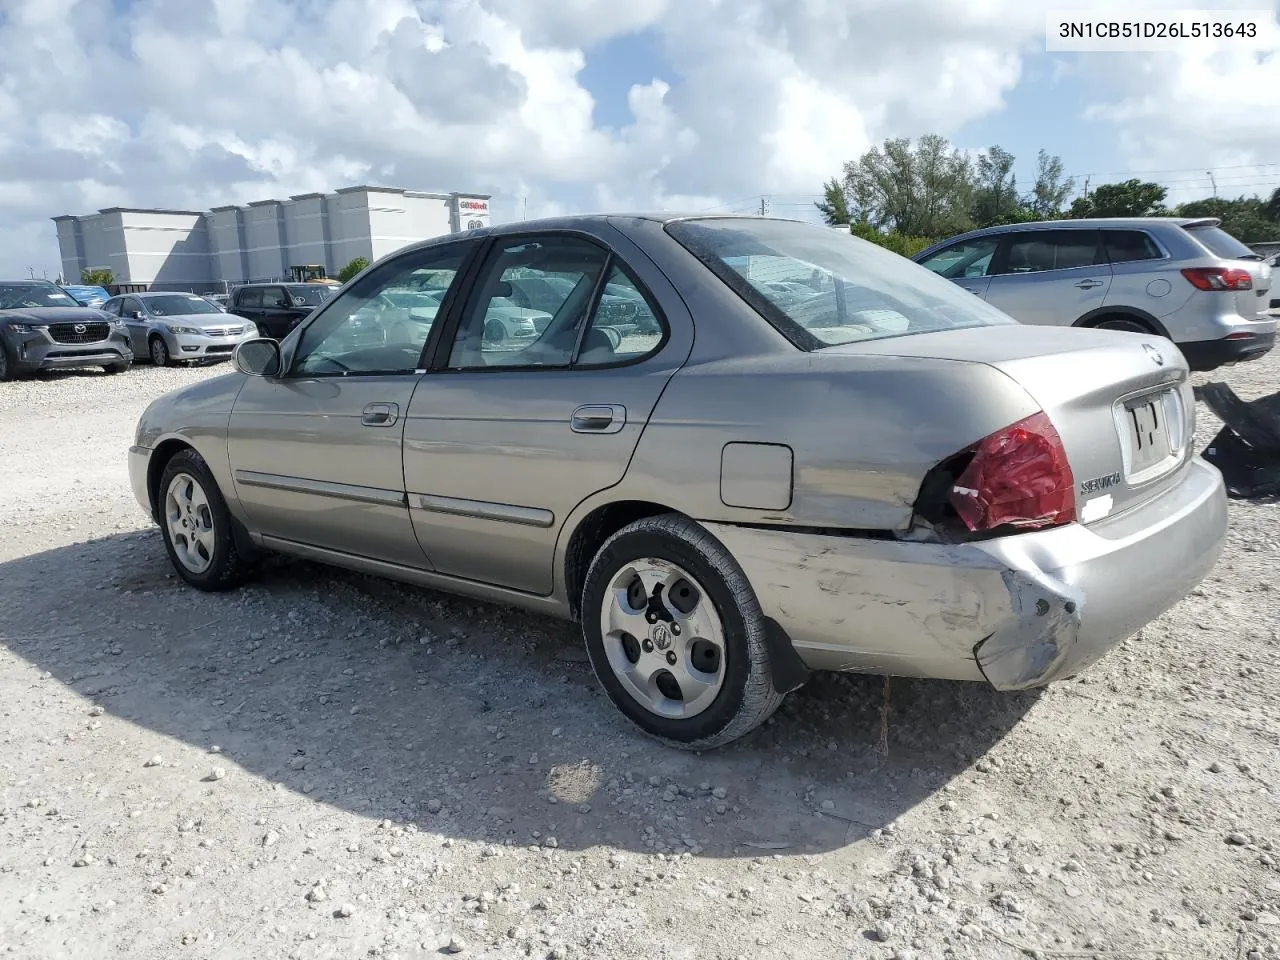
(564, 106)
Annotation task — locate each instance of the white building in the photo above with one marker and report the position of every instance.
(207, 251)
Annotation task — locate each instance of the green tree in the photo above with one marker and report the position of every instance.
(995, 194)
(1246, 218)
(899, 243)
(920, 190)
(353, 267)
(1132, 198)
(1050, 193)
(97, 277)
(835, 203)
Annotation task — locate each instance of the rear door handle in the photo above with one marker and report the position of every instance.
(380, 414)
(598, 418)
(1089, 284)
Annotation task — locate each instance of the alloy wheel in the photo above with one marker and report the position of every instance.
(189, 523)
(663, 638)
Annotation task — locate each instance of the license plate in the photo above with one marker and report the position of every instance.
(1146, 419)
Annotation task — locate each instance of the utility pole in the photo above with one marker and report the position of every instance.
(764, 206)
(1213, 183)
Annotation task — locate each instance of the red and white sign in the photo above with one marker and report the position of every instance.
(480, 205)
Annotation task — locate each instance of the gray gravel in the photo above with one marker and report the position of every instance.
(349, 767)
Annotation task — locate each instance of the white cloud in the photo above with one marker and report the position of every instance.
(173, 103)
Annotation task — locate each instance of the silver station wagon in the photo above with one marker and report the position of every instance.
(794, 452)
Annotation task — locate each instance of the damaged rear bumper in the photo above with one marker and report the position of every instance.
(1017, 611)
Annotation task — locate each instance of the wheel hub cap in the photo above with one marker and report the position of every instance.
(663, 638)
(189, 523)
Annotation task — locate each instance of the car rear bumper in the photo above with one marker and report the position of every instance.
(1017, 611)
(1211, 354)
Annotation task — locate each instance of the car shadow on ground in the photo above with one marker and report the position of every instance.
(471, 720)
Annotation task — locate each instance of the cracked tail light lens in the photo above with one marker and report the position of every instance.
(1017, 477)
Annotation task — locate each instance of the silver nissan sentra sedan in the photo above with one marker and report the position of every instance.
(808, 454)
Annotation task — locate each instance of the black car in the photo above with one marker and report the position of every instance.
(43, 328)
(277, 308)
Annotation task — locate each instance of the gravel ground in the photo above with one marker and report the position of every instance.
(328, 765)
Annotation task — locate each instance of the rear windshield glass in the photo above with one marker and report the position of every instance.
(1222, 244)
(820, 287)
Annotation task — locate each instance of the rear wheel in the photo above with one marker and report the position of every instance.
(159, 352)
(1123, 323)
(676, 636)
(197, 527)
(495, 332)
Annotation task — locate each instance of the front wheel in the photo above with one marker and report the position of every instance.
(160, 352)
(8, 370)
(495, 332)
(676, 636)
(197, 526)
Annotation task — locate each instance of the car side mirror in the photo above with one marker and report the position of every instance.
(135, 314)
(257, 358)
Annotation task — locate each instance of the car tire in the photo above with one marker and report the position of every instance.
(721, 653)
(117, 367)
(1123, 323)
(8, 369)
(495, 332)
(197, 526)
(159, 352)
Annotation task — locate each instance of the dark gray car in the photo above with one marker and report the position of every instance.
(43, 328)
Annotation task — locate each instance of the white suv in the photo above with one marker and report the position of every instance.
(1184, 279)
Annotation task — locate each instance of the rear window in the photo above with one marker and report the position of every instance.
(820, 287)
(1221, 243)
(1128, 246)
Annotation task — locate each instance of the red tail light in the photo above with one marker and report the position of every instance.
(1019, 477)
(1219, 278)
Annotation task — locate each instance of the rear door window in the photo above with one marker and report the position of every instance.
(1037, 251)
(250, 297)
(275, 298)
(1221, 243)
(1127, 246)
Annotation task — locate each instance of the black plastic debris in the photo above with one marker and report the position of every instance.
(1247, 448)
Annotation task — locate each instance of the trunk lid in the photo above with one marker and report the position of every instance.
(1121, 402)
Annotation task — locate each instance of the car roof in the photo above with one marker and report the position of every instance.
(25, 282)
(1099, 223)
(587, 220)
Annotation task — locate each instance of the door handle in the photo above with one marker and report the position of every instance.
(1089, 284)
(380, 414)
(598, 418)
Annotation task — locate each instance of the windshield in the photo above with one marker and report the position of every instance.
(17, 296)
(179, 304)
(309, 294)
(1222, 243)
(820, 288)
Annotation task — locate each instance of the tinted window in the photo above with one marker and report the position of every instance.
(131, 305)
(1039, 250)
(968, 258)
(274, 297)
(249, 297)
(1221, 243)
(1126, 246)
(112, 306)
(310, 294)
(381, 323)
(860, 291)
(496, 330)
